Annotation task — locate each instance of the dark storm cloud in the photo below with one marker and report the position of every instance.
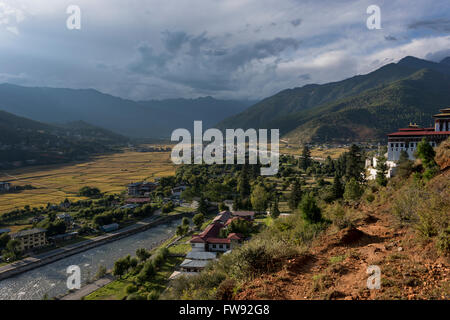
(305, 76)
(174, 40)
(296, 22)
(442, 25)
(201, 63)
(390, 38)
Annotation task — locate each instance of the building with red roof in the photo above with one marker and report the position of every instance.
(407, 139)
(210, 240)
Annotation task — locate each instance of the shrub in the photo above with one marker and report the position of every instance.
(226, 290)
(153, 295)
(309, 209)
(353, 190)
(443, 241)
(135, 296)
(131, 288)
(338, 215)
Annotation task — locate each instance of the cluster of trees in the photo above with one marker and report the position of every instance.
(143, 268)
(90, 192)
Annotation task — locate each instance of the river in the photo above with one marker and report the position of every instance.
(51, 279)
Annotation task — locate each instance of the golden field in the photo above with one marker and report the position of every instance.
(110, 173)
(316, 152)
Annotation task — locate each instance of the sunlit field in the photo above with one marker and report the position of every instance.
(109, 173)
(316, 152)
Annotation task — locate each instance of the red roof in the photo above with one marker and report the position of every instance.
(197, 239)
(422, 132)
(211, 231)
(235, 236)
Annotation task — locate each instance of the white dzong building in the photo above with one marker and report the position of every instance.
(407, 139)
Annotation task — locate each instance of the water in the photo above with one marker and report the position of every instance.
(51, 279)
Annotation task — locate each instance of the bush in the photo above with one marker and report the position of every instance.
(131, 288)
(353, 190)
(443, 241)
(226, 290)
(338, 215)
(153, 295)
(309, 209)
(135, 296)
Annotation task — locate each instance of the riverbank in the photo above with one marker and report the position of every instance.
(36, 261)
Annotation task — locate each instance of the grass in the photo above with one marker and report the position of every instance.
(337, 259)
(316, 152)
(109, 173)
(116, 290)
(179, 210)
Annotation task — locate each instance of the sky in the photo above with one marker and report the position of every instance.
(228, 49)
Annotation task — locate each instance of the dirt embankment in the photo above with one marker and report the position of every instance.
(336, 265)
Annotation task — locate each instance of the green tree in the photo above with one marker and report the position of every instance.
(275, 212)
(142, 254)
(295, 196)
(337, 188)
(121, 267)
(353, 190)
(244, 182)
(305, 159)
(4, 239)
(354, 164)
(309, 209)
(202, 206)
(382, 170)
(404, 165)
(185, 222)
(12, 250)
(426, 153)
(259, 198)
(198, 220)
(101, 272)
(147, 272)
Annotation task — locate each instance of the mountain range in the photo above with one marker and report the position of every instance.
(360, 108)
(143, 119)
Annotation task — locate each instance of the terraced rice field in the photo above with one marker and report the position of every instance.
(109, 173)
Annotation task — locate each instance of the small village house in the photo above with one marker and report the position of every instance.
(141, 188)
(5, 186)
(109, 227)
(30, 239)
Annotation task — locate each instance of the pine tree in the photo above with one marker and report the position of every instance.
(305, 160)
(309, 209)
(382, 169)
(337, 187)
(404, 165)
(295, 196)
(274, 211)
(202, 206)
(426, 153)
(244, 182)
(354, 164)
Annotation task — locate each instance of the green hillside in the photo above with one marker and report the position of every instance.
(369, 105)
(373, 113)
(27, 142)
